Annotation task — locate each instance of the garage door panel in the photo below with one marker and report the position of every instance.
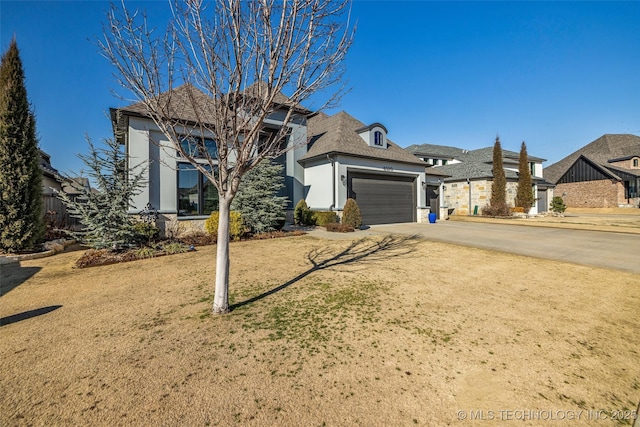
(384, 199)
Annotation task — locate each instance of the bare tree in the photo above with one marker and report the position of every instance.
(220, 70)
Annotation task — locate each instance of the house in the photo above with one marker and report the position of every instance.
(330, 159)
(604, 173)
(468, 176)
(347, 159)
(51, 179)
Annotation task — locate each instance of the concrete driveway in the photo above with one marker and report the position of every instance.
(596, 248)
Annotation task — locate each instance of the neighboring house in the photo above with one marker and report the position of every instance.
(54, 210)
(466, 188)
(332, 158)
(51, 179)
(604, 173)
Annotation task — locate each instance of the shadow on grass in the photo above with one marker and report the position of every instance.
(359, 251)
(27, 315)
(13, 275)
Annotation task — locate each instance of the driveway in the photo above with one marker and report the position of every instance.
(596, 248)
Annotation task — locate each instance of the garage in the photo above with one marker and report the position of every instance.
(383, 199)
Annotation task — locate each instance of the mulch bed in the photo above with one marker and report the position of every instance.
(97, 257)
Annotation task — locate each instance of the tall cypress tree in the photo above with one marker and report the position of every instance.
(499, 187)
(524, 196)
(21, 222)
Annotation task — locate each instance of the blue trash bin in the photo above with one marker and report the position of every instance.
(432, 218)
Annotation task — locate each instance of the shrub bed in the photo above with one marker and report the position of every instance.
(339, 228)
(97, 257)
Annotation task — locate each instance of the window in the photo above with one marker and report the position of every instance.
(631, 189)
(532, 168)
(378, 138)
(635, 163)
(444, 162)
(198, 147)
(196, 194)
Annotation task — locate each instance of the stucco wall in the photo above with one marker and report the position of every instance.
(318, 182)
(591, 194)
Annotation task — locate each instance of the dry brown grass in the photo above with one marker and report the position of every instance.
(625, 220)
(381, 331)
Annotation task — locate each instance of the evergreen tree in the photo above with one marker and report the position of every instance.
(257, 200)
(21, 221)
(524, 196)
(499, 187)
(104, 213)
(351, 214)
(498, 204)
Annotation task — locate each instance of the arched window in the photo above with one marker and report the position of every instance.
(378, 138)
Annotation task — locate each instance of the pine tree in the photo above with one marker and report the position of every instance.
(524, 196)
(104, 213)
(257, 200)
(21, 221)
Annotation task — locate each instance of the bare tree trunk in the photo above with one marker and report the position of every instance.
(221, 296)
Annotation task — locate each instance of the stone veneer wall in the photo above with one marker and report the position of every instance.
(627, 164)
(170, 226)
(423, 214)
(592, 194)
(456, 195)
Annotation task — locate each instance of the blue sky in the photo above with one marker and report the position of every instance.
(556, 75)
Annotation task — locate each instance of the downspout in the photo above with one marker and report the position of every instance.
(469, 184)
(333, 182)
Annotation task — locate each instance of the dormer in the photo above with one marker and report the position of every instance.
(374, 135)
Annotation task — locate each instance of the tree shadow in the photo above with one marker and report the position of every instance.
(359, 251)
(13, 275)
(27, 315)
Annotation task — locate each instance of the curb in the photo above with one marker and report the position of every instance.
(12, 259)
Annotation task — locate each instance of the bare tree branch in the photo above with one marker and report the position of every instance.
(223, 69)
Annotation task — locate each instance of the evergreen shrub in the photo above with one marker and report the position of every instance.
(236, 227)
(351, 214)
(323, 218)
(302, 215)
(557, 204)
(145, 231)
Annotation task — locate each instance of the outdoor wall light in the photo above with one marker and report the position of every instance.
(343, 179)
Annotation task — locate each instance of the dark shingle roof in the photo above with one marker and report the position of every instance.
(600, 151)
(188, 103)
(338, 134)
(185, 102)
(432, 150)
(474, 164)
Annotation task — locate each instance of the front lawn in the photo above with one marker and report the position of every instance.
(372, 332)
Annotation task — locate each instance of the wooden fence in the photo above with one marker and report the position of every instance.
(56, 212)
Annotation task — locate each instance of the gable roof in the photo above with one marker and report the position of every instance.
(338, 134)
(601, 151)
